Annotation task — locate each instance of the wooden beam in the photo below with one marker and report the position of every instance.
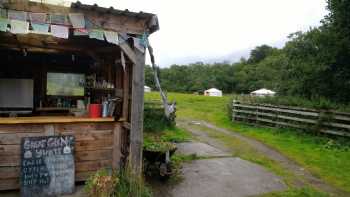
(136, 133)
(129, 52)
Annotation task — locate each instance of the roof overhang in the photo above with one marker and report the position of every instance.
(122, 21)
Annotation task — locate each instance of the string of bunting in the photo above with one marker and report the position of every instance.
(59, 25)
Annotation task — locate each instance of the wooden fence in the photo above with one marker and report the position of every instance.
(330, 122)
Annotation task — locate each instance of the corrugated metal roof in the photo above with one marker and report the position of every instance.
(152, 19)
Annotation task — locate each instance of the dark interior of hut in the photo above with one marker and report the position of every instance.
(38, 81)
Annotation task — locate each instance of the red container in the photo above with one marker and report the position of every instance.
(95, 110)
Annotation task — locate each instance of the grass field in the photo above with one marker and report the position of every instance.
(326, 158)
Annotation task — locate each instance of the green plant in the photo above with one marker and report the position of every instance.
(131, 185)
(101, 184)
(108, 183)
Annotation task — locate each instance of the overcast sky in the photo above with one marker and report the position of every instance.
(200, 30)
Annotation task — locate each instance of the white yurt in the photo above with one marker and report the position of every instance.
(213, 92)
(263, 92)
(147, 89)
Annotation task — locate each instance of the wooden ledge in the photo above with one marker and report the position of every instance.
(52, 120)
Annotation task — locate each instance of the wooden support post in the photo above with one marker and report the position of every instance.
(116, 146)
(136, 133)
(126, 82)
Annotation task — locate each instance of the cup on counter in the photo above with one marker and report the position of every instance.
(95, 110)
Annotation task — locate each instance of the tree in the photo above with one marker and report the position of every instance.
(260, 53)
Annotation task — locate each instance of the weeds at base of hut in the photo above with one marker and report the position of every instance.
(107, 183)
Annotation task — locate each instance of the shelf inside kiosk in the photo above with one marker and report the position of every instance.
(56, 84)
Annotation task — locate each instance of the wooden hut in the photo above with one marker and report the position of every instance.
(36, 99)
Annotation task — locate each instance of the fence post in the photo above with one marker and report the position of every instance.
(233, 110)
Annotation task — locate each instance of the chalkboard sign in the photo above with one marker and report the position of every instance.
(47, 166)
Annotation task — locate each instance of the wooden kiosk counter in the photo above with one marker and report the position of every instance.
(97, 144)
(56, 61)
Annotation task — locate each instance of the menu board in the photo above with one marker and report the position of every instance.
(47, 166)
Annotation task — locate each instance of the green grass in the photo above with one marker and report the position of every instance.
(326, 158)
(303, 192)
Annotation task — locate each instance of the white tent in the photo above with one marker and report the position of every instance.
(147, 89)
(263, 92)
(213, 92)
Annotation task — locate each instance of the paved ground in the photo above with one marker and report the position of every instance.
(200, 149)
(303, 177)
(225, 177)
(79, 192)
(219, 175)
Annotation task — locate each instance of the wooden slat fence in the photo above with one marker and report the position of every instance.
(330, 122)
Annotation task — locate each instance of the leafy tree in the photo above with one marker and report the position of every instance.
(260, 53)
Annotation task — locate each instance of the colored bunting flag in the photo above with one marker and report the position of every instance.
(58, 19)
(38, 18)
(3, 24)
(138, 45)
(89, 24)
(112, 37)
(19, 27)
(3, 13)
(40, 28)
(60, 31)
(144, 40)
(77, 20)
(123, 37)
(17, 15)
(81, 32)
(96, 34)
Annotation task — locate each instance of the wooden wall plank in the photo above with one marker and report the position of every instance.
(9, 172)
(6, 150)
(83, 176)
(15, 138)
(30, 128)
(9, 184)
(92, 165)
(11, 160)
(94, 144)
(93, 155)
(89, 135)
